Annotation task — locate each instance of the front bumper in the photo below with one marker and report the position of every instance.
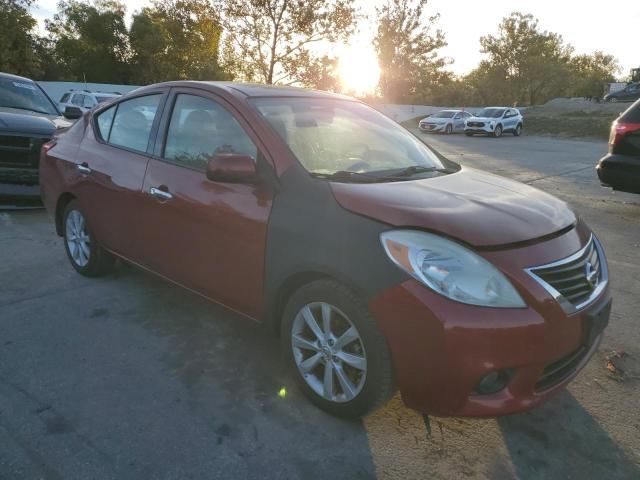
(442, 349)
(19, 187)
(487, 129)
(620, 172)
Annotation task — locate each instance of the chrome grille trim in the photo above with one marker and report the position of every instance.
(566, 279)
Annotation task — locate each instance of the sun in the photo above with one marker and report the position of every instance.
(358, 69)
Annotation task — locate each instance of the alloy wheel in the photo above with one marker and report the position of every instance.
(77, 238)
(329, 352)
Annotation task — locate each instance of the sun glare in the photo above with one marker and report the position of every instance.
(359, 69)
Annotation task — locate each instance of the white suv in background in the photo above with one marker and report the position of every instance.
(84, 99)
(495, 121)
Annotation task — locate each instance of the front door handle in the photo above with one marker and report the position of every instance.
(83, 168)
(160, 194)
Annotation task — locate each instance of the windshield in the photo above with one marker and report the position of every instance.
(25, 95)
(491, 113)
(444, 114)
(335, 136)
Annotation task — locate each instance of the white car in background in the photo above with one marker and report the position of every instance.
(494, 121)
(445, 121)
(85, 100)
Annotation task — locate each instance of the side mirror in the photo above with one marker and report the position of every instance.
(72, 113)
(232, 168)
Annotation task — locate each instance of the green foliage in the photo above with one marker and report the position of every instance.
(407, 45)
(17, 41)
(90, 40)
(524, 64)
(269, 41)
(590, 73)
(175, 40)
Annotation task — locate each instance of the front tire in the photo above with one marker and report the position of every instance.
(448, 130)
(335, 351)
(497, 133)
(87, 257)
(468, 134)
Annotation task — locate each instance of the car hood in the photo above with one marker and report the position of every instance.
(23, 121)
(477, 208)
(482, 119)
(436, 120)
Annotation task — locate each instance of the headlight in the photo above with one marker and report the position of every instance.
(450, 269)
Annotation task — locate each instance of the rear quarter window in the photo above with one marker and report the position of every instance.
(632, 115)
(65, 98)
(103, 122)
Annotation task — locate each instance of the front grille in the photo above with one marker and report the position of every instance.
(475, 124)
(22, 152)
(576, 280)
(559, 370)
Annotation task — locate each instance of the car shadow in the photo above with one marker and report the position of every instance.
(232, 370)
(560, 439)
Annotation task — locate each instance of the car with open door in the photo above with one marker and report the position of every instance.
(379, 263)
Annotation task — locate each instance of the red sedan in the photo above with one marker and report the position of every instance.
(381, 264)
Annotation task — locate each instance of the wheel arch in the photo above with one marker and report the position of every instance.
(61, 204)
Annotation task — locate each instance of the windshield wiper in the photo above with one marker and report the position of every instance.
(407, 172)
(26, 108)
(349, 176)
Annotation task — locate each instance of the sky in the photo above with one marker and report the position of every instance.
(587, 25)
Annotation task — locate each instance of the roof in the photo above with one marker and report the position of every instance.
(254, 89)
(15, 77)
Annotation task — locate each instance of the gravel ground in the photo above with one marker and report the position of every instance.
(128, 377)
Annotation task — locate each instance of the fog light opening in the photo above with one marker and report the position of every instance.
(494, 381)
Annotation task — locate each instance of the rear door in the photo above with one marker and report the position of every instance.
(111, 162)
(208, 236)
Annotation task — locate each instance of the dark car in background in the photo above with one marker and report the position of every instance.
(629, 93)
(620, 168)
(28, 119)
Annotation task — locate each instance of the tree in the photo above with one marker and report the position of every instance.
(270, 41)
(174, 40)
(17, 53)
(90, 40)
(590, 73)
(407, 45)
(527, 65)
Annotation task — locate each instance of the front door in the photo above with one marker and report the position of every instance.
(207, 236)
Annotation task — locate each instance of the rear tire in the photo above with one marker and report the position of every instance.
(335, 350)
(518, 131)
(87, 257)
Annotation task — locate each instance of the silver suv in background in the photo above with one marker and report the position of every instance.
(84, 99)
(445, 121)
(494, 121)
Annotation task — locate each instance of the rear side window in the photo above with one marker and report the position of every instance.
(632, 115)
(104, 121)
(77, 99)
(200, 128)
(133, 121)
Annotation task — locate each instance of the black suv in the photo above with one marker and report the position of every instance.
(28, 118)
(620, 168)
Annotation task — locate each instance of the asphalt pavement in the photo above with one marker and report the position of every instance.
(129, 377)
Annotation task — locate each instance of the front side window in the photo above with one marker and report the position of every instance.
(133, 121)
(77, 99)
(340, 136)
(200, 128)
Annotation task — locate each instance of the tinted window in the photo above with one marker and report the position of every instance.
(199, 128)
(64, 98)
(104, 120)
(632, 115)
(133, 121)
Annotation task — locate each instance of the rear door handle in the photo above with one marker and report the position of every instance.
(84, 168)
(160, 194)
